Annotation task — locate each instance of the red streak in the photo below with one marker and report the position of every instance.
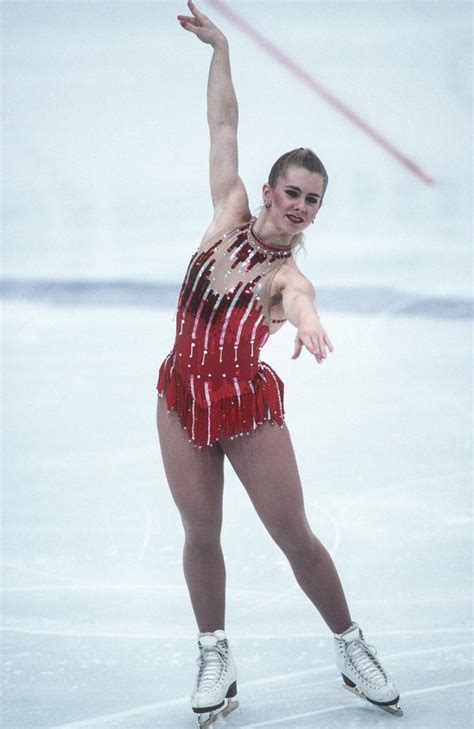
(305, 77)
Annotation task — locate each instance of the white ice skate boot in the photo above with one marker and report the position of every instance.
(216, 683)
(361, 671)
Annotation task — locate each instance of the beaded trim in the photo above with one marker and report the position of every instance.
(277, 251)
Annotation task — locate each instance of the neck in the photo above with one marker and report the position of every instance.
(265, 229)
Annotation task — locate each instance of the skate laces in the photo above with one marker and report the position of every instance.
(362, 656)
(211, 662)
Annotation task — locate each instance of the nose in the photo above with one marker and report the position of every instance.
(300, 205)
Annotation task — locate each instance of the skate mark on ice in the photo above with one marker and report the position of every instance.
(329, 710)
(147, 708)
(146, 538)
(168, 635)
(380, 491)
(236, 592)
(463, 659)
(118, 715)
(294, 717)
(441, 687)
(413, 601)
(43, 573)
(329, 668)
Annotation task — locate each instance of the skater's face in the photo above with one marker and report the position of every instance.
(295, 199)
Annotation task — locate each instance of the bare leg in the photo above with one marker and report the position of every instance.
(196, 480)
(265, 463)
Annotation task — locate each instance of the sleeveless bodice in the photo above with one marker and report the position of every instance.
(213, 376)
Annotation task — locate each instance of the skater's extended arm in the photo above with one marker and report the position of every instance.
(227, 190)
(298, 295)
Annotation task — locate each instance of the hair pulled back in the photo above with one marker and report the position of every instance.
(300, 157)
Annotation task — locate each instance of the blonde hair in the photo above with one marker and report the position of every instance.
(297, 243)
(301, 157)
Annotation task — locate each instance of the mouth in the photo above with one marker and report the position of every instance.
(295, 219)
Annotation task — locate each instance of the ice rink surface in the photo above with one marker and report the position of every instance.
(105, 147)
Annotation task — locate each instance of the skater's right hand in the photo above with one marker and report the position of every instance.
(200, 25)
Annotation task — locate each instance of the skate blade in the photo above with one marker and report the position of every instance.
(393, 709)
(214, 716)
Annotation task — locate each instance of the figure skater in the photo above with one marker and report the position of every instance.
(217, 398)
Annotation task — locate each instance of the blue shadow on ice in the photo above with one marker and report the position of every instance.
(356, 300)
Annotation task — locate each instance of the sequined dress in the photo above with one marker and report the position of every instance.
(213, 376)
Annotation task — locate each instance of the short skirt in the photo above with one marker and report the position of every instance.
(235, 408)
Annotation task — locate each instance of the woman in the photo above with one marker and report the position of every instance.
(217, 399)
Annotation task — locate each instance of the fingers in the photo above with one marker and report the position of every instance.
(320, 344)
(315, 348)
(197, 16)
(197, 22)
(329, 343)
(310, 345)
(188, 23)
(197, 13)
(186, 19)
(315, 345)
(297, 350)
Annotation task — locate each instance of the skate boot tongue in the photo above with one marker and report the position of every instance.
(352, 633)
(208, 640)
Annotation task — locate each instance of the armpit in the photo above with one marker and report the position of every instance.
(275, 299)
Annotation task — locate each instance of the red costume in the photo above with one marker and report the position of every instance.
(213, 376)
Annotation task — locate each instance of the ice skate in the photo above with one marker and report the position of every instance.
(216, 683)
(362, 672)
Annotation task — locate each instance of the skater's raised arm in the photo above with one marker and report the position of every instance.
(228, 193)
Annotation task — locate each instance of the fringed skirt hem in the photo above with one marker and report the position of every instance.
(254, 403)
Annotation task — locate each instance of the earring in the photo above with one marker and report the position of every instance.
(312, 220)
(268, 204)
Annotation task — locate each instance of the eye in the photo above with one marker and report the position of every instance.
(291, 193)
(312, 200)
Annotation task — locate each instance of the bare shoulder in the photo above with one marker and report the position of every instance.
(225, 220)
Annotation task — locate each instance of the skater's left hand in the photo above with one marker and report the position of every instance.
(314, 337)
(201, 26)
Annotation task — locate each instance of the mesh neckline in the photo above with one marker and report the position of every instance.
(280, 251)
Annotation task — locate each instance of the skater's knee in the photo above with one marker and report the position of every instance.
(202, 524)
(202, 536)
(300, 544)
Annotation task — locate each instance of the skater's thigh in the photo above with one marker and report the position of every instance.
(195, 475)
(266, 465)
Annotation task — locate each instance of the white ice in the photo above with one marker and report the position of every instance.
(105, 153)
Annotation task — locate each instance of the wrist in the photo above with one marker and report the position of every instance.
(309, 320)
(220, 43)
